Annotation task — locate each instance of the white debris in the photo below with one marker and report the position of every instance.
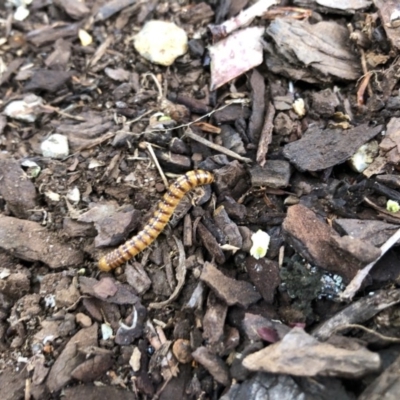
(106, 331)
(161, 42)
(21, 13)
(260, 246)
(74, 195)
(55, 146)
(26, 110)
(364, 156)
(299, 107)
(53, 196)
(33, 168)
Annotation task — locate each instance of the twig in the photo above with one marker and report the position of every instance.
(266, 135)
(157, 164)
(243, 19)
(190, 134)
(356, 282)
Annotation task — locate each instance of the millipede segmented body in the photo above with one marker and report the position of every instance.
(165, 209)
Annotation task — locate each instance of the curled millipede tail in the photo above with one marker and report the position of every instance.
(157, 223)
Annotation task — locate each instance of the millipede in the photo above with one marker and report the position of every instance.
(157, 223)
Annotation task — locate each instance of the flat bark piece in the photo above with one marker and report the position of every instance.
(388, 12)
(228, 227)
(390, 143)
(16, 188)
(47, 79)
(71, 357)
(358, 312)
(265, 275)
(372, 231)
(256, 121)
(386, 385)
(230, 290)
(33, 242)
(210, 243)
(112, 7)
(214, 319)
(321, 48)
(12, 383)
(359, 249)
(322, 149)
(270, 386)
(59, 58)
(300, 354)
(311, 238)
(235, 54)
(93, 368)
(213, 364)
(50, 33)
(274, 174)
(125, 294)
(74, 8)
(253, 324)
(92, 392)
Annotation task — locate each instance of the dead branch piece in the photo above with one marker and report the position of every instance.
(157, 164)
(266, 135)
(190, 134)
(356, 282)
(243, 19)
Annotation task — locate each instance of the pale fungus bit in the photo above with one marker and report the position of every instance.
(260, 246)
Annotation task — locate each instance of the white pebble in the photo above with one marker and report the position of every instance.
(55, 146)
(161, 42)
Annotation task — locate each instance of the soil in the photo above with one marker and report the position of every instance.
(92, 135)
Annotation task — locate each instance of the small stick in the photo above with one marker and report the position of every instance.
(356, 282)
(266, 135)
(189, 133)
(157, 164)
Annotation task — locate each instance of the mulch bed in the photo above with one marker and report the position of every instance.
(295, 112)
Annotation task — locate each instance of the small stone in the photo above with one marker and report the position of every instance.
(182, 351)
(83, 320)
(26, 110)
(55, 146)
(161, 42)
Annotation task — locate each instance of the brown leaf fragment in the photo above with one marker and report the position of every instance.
(230, 290)
(16, 188)
(300, 354)
(322, 149)
(213, 364)
(311, 238)
(70, 358)
(33, 242)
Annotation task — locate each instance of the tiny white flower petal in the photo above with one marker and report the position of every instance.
(260, 246)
